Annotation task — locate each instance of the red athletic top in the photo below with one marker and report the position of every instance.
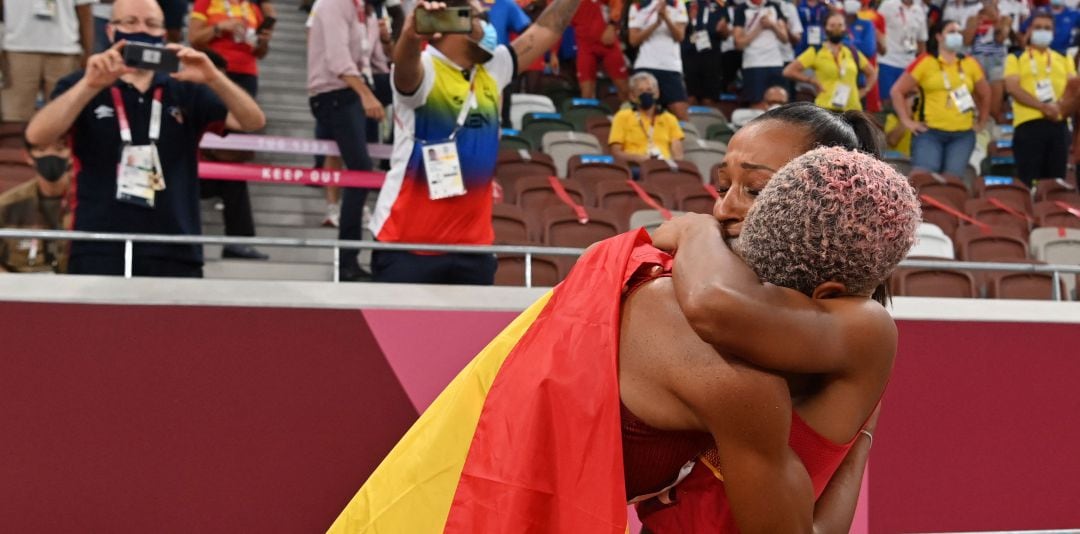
(699, 502)
(589, 22)
(651, 457)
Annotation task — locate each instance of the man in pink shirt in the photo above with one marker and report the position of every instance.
(344, 49)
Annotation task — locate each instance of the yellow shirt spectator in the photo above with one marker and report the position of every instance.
(630, 129)
(904, 145)
(1060, 69)
(938, 109)
(827, 69)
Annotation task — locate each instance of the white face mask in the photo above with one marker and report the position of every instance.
(954, 42)
(1042, 38)
(852, 7)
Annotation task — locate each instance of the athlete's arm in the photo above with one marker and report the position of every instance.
(773, 327)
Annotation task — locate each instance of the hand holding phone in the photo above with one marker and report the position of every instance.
(447, 20)
(150, 57)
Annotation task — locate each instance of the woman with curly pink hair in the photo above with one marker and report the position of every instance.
(769, 345)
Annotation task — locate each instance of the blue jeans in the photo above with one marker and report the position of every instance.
(942, 152)
(340, 116)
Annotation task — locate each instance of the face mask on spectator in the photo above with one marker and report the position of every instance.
(646, 100)
(489, 41)
(51, 168)
(836, 38)
(138, 37)
(954, 42)
(1057, 3)
(1042, 38)
(852, 7)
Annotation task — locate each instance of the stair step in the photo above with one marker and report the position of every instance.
(323, 256)
(280, 231)
(269, 218)
(261, 270)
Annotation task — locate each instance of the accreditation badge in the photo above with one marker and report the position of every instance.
(701, 40)
(962, 99)
(1044, 91)
(443, 169)
(139, 175)
(841, 95)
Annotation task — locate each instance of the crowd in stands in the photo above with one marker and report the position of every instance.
(571, 116)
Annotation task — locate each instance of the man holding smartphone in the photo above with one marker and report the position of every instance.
(446, 96)
(135, 134)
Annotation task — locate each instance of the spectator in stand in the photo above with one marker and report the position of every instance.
(175, 13)
(944, 127)
(812, 14)
(870, 14)
(342, 98)
(132, 177)
(934, 12)
(447, 97)
(102, 11)
(760, 29)
(905, 37)
(960, 11)
(657, 28)
(987, 33)
(835, 69)
(1036, 80)
(897, 136)
(1018, 11)
(508, 19)
(596, 30)
(1066, 22)
(233, 31)
(40, 204)
(730, 55)
(795, 31)
(43, 42)
(646, 131)
(775, 97)
(701, 54)
(861, 33)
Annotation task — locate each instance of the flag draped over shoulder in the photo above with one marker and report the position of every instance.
(527, 437)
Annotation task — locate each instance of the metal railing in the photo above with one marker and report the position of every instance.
(527, 251)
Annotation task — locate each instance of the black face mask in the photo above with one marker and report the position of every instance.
(646, 101)
(836, 38)
(51, 168)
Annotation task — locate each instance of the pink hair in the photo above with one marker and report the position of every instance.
(831, 214)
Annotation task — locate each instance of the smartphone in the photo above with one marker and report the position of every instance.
(267, 24)
(449, 20)
(150, 57)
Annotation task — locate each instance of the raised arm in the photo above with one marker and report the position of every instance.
(543, 34)
(731, 309)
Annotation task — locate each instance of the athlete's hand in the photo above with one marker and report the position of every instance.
(667, 236)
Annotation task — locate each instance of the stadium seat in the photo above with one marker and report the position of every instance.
(940, 218)
(931, 242)
(948, 189)
(514, 142)
(534, 194)
(589, 170)
(694, 199)
(1056, 190)
(538, 124)
(521, 104)
(669, 174)
(720, 132)
(563, 229)
(973, 245)
(703, 116)
(902, 165)
(909, 282)
(561, 146)
(511, 271)
(704, 154)
(511, 225)
(1027, 286)
(690, 132)
(983, 210)
(620, 199)
(1057, 246)
(579, 110)
(1050, 214)
(13, 168)
(1008, 191)
(512, 165)
(649, 219)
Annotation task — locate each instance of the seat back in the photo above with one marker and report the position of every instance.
(982, 210)
(524, 103)
(991, 248)
(1027, 286)
(1014, 193)
(538, 125)
(513, 165)
(703, 116)
(1057, 247)
(1056, 190)
(620, 199)
(669, 175)
(690, 132)
(511, 271)
(563, 229)
(694, 199)
(514, 142)
(931, 242)
(650, 220)
(535, 194)
(511, 226)
(1050, 214)
(562, 146)
(595, 172)
(934, 283)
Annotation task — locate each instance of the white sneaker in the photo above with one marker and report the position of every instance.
(333, 216)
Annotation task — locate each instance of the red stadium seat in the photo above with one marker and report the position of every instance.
(1056, 190)
(909, 282)
(511, 225)
(993, 247)
(1015, 193)
(669, 175)
(948, 189)
(622, 200)
(512, 165)
(983, 210)
(535, 194)
(1050, 214)
(592, 173)
(511, 271)
(1029, 286)
(694, 199)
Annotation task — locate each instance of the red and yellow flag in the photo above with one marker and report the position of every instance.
(527, 437)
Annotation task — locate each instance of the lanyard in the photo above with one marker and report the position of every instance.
(470, 102)
(945, 74)
(125, 126)
(840, 67)
(756, 15)
(649, 132)
(1034, 71)
(361, 12)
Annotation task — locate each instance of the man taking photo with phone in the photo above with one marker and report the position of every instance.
(135, 133)
(447, 97)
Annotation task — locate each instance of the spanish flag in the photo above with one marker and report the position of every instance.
(527, 438)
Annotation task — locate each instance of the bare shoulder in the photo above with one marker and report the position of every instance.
(870, 330)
